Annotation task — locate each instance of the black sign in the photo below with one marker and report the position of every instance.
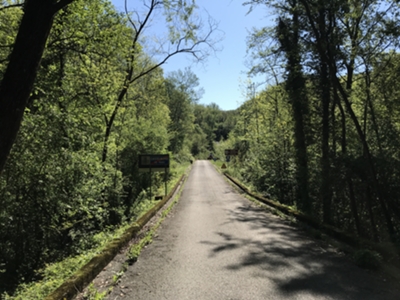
(231, 152)
(155, 162)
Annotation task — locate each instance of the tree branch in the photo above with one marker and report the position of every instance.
(61, 4)
(11, 6)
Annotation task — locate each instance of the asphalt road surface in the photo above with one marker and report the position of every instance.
(219, 245)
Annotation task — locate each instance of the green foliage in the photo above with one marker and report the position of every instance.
(181, 114)
(211, 125)
(9, 22)
(54, 187)
(351, 126)
(265, 157)
(135, 250)
(93, 294)
(194, 128)
(53, 275)
(73, 174)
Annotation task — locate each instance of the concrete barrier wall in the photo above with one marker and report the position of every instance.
(388, 252)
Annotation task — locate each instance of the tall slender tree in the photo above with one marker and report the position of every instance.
(288, 36)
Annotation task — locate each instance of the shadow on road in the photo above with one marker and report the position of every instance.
(292, 261)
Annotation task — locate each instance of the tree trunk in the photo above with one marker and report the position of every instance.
(110, 123)
(368, 155)
(371, 213)
(326, 191)
(20, 74)
(295, 85)
(371, 108)
(353, 202)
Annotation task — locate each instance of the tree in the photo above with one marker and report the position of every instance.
(30, 42)
(343, 49)
(187, 82)
(54, 178)
(181, 114)
(182, 94)
(328, 57)
(288, 36)
(186, 36)
(19, 77)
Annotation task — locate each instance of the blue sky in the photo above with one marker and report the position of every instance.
(223, 75)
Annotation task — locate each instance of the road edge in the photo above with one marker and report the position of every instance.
(390, 265)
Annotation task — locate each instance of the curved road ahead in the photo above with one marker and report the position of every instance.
(218, 245)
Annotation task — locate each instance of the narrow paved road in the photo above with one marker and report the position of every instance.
(218, 245)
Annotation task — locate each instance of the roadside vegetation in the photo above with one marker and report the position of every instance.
(322, 135)
(71, 182)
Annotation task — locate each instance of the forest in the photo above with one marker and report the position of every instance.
(321, 134)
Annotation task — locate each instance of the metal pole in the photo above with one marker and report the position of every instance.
(165, 180)
(150, 184)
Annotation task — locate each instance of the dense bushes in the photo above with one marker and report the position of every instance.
(73, 169)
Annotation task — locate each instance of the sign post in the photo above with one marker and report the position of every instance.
(165, 181)
(154, 163)
(229, 153)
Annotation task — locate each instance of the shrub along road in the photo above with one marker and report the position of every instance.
(219, 245)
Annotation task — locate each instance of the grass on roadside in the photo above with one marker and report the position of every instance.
(219, 166)
(135, 249)
(54, 274)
